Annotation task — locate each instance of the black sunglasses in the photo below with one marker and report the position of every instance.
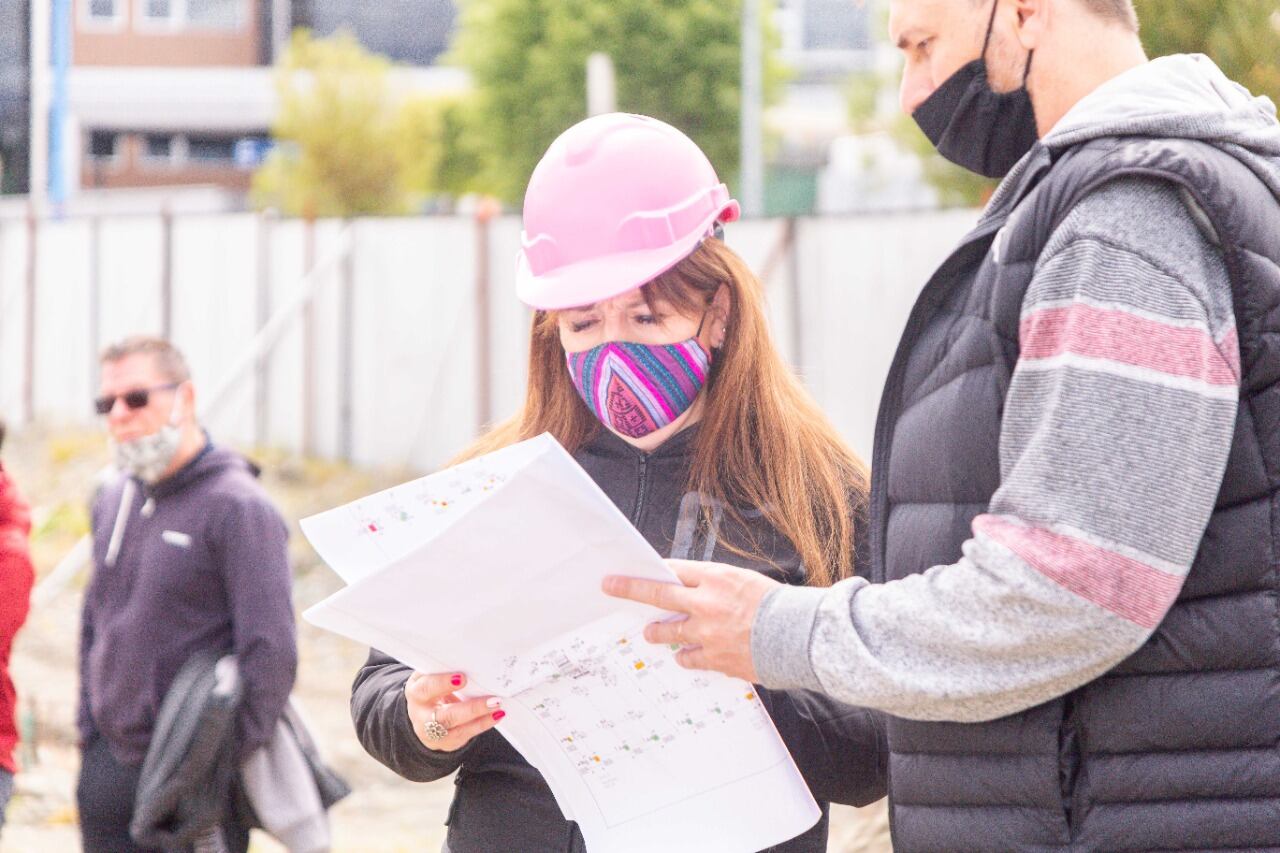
(132, 399)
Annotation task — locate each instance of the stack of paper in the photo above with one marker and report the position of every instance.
(493, 568)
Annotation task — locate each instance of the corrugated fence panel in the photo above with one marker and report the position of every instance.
(410, 326)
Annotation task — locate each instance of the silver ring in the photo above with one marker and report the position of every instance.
(680, 631)
(433, 729)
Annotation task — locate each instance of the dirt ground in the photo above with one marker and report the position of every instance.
(56, 469)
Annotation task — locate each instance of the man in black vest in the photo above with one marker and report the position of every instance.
(1075, 510)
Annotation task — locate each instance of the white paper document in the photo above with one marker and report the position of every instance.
(493, 568)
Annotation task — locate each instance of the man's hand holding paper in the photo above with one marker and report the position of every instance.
(718, 604)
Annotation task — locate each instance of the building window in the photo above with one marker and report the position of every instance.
(211, 149)
(157, 10)
(214, 14)
(100, 12)
(157, 146)
(193, 14)
(102, 145)
(251, 151)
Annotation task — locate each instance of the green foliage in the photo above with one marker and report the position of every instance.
(462, 155)
(1242, 36)
(677, 60)
(348, 144)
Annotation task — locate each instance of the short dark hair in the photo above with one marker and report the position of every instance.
(167, 358)
(1120, 11)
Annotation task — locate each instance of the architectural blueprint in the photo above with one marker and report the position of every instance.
(642, 753)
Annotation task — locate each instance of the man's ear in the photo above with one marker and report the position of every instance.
(1033, 19)
(187, 393)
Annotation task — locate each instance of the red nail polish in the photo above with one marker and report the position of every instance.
(498, 715)
(456, 681)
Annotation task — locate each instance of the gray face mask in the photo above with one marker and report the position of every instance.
(148, 457)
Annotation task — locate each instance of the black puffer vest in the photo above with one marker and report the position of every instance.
(1177, 748)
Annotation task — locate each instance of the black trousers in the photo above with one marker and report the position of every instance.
(105, 795)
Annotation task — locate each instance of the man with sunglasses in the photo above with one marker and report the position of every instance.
(190, 556)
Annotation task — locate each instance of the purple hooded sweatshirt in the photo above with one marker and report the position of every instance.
(198, 561)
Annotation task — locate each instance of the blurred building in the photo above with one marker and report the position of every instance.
(165, 93)
(14, 101)
(416, 32)
(823, 44)
(170, 92)
(873, 173)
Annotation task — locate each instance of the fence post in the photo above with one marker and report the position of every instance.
(309, 346)
(485, 211)
(95, 296)
(262, 366)
(29, 319)
(166, 272)
(4, 375)
(346, 351)
(797, 301)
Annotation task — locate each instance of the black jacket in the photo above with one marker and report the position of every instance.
(503, 803)
(1176, 748)
(190, 776)
(186, 778)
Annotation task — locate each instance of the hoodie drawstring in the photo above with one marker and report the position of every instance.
(122, 521)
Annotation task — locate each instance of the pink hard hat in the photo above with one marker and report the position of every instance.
(617, 200)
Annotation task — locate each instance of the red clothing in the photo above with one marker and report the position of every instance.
(16, 578)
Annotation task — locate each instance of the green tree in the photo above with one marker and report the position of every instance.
(348, 143)
(677, 60)
(1242, 36)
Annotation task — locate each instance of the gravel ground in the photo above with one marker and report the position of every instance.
(385, 813)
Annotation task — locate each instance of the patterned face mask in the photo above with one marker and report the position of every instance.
(637, 389)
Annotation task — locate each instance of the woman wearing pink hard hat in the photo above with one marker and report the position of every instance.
(651, 362)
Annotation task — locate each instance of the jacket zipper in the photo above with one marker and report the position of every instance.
(887, 419)
(643, 470)
(890, 400)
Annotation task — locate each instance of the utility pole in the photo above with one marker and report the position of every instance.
(38, 139)
(602, 87)
(60, 131)
(281, 27)
(751, 191)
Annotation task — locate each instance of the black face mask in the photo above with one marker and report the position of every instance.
(975, 127)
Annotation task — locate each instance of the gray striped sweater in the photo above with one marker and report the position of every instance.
(1117, 426)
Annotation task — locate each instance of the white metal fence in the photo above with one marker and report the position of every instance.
(415, 337)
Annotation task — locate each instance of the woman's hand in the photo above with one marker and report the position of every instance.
(431, 699)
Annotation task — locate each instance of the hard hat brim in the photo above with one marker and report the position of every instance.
(595, 280)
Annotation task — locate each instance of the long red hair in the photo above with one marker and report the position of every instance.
(762, 442)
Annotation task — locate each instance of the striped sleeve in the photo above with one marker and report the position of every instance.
(1116, 431)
